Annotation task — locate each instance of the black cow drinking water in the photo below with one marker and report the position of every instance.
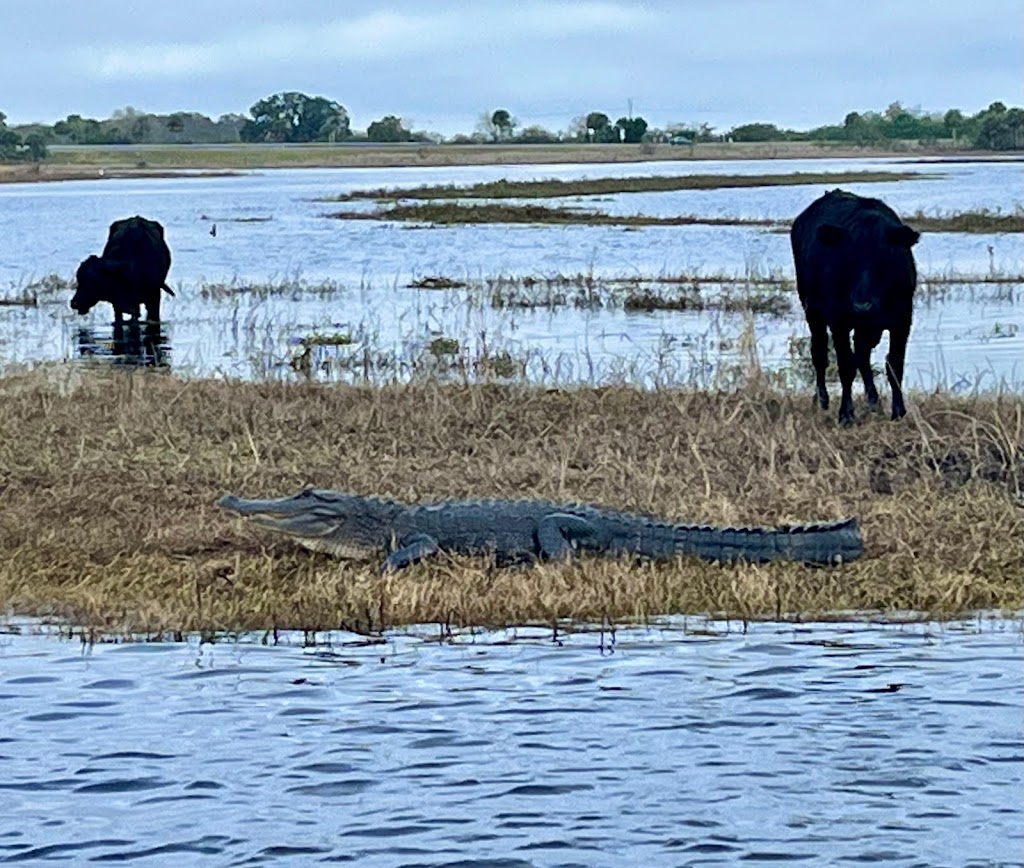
(131, 272)
(855, 272)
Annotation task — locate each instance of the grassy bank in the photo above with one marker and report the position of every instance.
(85, 161)
(109, 480)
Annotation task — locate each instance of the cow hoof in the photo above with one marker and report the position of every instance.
(898, 413)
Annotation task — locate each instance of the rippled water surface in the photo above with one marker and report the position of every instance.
(814, 745)
(971, 339)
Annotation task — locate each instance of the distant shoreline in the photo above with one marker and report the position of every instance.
(95, 162)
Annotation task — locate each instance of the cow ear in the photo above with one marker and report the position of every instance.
(903, 236)
(831, 236)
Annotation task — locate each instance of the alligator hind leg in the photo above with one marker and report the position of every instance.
(557, 532)
(416, 548)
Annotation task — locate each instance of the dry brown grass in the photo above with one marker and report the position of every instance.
(108, 482)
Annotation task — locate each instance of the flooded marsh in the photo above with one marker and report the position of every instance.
(281, 297)
(277, 272)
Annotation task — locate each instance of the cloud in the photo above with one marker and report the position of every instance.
(374, 37)
(724, 61)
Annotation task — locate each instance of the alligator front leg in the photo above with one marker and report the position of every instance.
(414, 549)
(557, 532)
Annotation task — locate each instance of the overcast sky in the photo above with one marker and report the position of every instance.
(441, 64)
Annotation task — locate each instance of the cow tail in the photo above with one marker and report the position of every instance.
(167, 289)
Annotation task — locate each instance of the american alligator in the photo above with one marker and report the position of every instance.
(351, 526)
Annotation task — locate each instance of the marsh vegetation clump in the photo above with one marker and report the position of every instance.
(22, 298)
(360, 356)
(557, 291)
(438, 281)
(459, 213)
(767, 302)
(110, 479)
(729, 294)
(43, 290)
(294, 287)
(980, 221)
(554, 188)
(448, 213)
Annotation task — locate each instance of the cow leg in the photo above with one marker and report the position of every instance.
(153, 307)
(863, 343)
(847, 371)
(819, 355)
(894, 369)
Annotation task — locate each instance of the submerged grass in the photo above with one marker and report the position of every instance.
(763, 292)
(773, 297)
(556, 188)
(109, 480)
(36, 291)
(290, 287)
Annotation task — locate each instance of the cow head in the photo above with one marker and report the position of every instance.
(874, 260)
(90, 279)
(98, 279)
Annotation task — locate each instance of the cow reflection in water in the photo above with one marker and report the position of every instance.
(132, 343)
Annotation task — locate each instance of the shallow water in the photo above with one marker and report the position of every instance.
(971, 340)
(686, 744)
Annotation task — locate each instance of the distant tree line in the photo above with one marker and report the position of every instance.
(291, 116)
(994, 128)
(18, 146)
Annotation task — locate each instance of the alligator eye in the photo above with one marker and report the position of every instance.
(306, 492)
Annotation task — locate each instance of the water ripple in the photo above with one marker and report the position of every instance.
(775, 745)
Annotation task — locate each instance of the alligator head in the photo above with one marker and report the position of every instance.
(343, 525)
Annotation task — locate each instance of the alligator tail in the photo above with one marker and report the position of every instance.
(827, 543)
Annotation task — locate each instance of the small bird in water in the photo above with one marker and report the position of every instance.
(213, 230)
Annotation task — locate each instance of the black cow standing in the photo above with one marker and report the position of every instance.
(131, 272)
(855, 272)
